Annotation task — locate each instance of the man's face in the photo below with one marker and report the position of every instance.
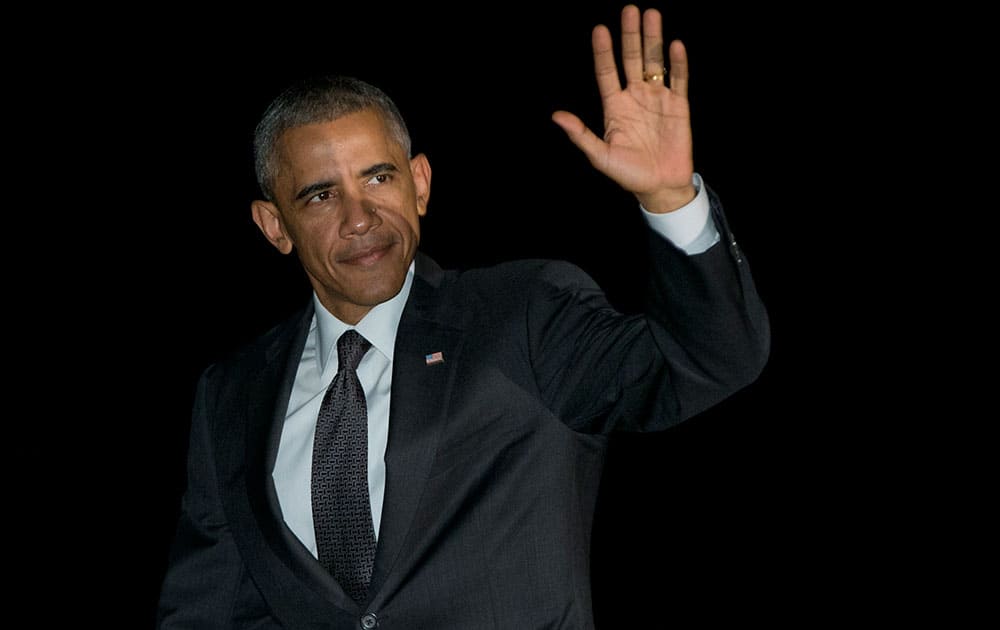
(349, 202)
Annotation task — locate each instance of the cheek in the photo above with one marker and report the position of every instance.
(313, 237)
(407, 224)
(412, 219)
(415, 228)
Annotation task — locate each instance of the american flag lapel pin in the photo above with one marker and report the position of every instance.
(434, 358)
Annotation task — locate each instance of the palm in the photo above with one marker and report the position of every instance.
(647, 138)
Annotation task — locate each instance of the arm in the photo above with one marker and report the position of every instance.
(204, 567)
(705, 333)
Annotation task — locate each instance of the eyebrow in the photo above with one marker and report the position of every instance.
(311, 189)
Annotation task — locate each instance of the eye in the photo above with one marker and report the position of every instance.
(379, 178)
(321, 197)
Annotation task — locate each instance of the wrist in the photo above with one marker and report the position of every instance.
(668, 200)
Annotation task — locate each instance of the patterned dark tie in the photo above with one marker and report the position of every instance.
(342, 517)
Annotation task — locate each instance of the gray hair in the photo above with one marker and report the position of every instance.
(316, 100)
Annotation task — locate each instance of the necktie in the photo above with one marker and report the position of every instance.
(342, 517)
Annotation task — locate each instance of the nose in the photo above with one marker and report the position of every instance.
(359, 217)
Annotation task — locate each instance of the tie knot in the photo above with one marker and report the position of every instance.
(350, 348)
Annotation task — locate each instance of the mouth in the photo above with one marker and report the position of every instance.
(366, 257)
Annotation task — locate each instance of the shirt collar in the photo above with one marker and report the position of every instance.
(378, 326)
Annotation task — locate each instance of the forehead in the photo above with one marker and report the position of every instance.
(359, 134)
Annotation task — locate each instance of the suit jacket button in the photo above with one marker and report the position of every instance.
(369, 621)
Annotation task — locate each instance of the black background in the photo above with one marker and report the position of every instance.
(750, 511)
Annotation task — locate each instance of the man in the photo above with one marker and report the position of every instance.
(482, 400)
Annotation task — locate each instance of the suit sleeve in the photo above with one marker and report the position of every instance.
(706, 318)
(704, 334)
(204, 568)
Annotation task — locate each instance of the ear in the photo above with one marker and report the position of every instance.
(268, 218)
(420, 168)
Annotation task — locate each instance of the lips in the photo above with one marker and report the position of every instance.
(366, 256)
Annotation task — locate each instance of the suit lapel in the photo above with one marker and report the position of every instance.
(267, 400)
(420, 391)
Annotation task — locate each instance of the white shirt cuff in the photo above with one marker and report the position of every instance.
(690, 228)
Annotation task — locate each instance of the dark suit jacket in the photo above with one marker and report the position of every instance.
(494, 456)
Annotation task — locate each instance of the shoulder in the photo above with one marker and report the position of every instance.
(507, 292)
(517, 290)
(521, 278)
(265, 347)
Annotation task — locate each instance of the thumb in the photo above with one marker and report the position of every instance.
(579, 134)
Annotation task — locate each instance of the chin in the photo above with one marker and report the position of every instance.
(384, 291)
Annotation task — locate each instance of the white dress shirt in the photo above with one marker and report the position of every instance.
(689, 228)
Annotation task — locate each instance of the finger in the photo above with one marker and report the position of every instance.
(631, 44)
(605, 69)
(652, 43)
(579, 134)
(569, 122)
(678, 68)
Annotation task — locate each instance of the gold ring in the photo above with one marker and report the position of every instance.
(656, 76)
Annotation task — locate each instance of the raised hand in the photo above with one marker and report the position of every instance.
(646, 147)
